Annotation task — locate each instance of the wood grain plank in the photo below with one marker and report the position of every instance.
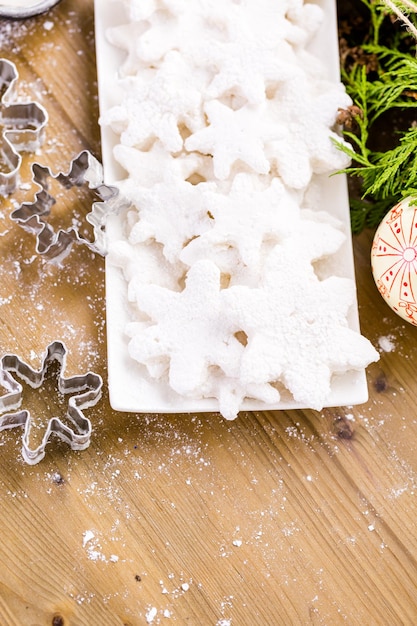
(277, 518)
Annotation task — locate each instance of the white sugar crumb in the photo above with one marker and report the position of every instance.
(93, 548)
(90, 542)
(387, 343)
(87, 536)
(185, 586)
(237, 543)
(151, 614)
(48, 25)
(226, 252)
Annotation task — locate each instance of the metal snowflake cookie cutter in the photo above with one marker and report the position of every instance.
(32, 216)
(85, 389)
(23, 128)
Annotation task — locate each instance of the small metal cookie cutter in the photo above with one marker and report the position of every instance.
(23, 128)
(32, 216)
(85, 390)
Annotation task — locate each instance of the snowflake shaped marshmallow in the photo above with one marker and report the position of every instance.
(247, 70)
(296, 327)
(145, 168)
(155, 106)
(189, 331)
(175, 28)
(247, 222)
(243, 220)
(233, 136)
(258, 21)
(125, 37)
(170, 213)
(306, 148)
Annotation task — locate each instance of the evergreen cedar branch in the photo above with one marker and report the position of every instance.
(380, 75)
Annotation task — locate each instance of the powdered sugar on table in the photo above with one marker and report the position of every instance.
(230, 280)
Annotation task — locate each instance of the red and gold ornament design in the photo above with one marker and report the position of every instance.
(394, 259)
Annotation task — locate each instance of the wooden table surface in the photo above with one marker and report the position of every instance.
(295, 517)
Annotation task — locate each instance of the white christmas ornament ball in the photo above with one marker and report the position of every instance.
(394, 259)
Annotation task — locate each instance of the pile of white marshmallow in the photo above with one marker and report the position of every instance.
(226, 125)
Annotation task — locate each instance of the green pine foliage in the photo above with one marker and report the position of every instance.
(382, 82)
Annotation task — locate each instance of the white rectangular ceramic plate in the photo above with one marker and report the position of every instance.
(130, 388)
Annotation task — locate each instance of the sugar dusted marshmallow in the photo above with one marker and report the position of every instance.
(225, 125)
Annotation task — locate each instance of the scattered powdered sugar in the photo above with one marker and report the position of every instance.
(87, 536)
(151, 614)
(90, 542)
(224, 135)
(94, 550)
(386, 343)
